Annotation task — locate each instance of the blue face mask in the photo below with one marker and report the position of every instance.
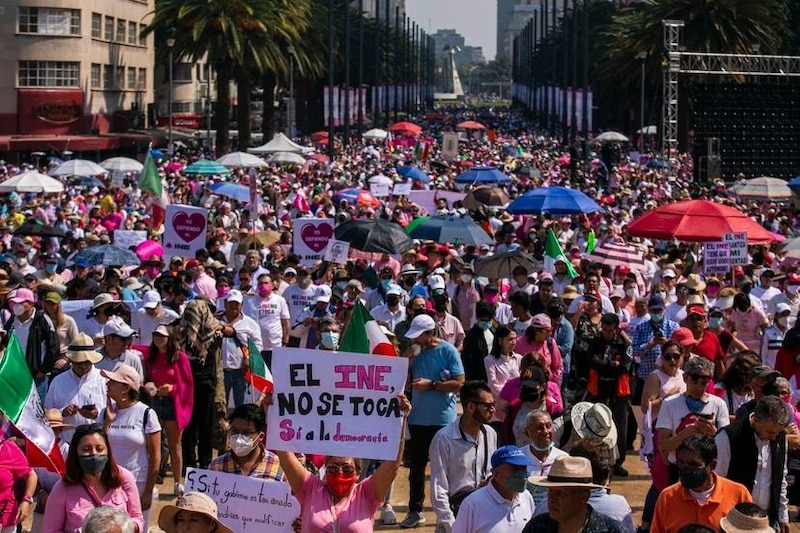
(695, 405)
(715, 322)
(329, 340)
(484, 325)
(656, 317)
(386, 283)
(50, 269)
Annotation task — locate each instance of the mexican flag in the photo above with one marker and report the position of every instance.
(552, 251)
(258, 375)
(150, 182)
(364, 335)
(20, 403)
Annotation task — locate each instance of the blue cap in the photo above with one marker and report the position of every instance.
(655, 302)
(510, 455)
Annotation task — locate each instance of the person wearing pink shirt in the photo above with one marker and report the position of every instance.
(13, 468)
(92, 478)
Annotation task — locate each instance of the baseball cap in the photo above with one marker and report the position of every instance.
(126, 374)
(151, 299)
(762, 371)
(420, 325)
(541, 321)
(533, 377)
(162, 330)
(668, 273)
(436, 282)
(191, 263)
(510, 455)
(655, 302)
(684, 337)
(54, 297)
(545, 277)
(323, 294)
(117, 327)
(783, 308)
(235, 296)
(394, 289)
(21, 295)
(696, 310)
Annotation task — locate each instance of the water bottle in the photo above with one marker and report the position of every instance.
(444, 375)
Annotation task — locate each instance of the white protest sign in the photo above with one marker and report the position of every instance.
(246, 504)
(185, 230)
(738, 247)
(125, 238)
(402, 189)
(379, 190)
(716, 258)
(117, 179)
(343, 405)
(311, 237)
(450, 146)
(337, 252)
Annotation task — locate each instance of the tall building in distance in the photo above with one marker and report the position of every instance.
(448, 39)
(371, 7)
(513, 16)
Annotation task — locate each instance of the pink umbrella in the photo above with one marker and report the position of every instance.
(147, 249)
(778, 237)
(175, 166)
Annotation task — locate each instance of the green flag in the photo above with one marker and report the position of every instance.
(552, 251)
(591, 242)
(149, 180)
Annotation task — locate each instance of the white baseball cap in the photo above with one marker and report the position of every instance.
(151, 299)
(116, 326)
(323, 294)
(235, 296)
(420, 325)
(436, 282)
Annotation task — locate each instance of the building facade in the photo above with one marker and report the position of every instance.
(74, 67)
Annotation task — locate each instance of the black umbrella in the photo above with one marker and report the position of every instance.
(37, 228)
(486, 196)
(501, 266)
(106, 255)
(374, 235)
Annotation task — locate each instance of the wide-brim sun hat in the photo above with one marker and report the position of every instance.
(568, 472)
(195, 502)
(738, 522)
(82, 350)
(594, 420)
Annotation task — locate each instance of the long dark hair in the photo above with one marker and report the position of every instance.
(172, 350)
(501, 333)
(73, 473)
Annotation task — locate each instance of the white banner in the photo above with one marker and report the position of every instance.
(337, 252)
(343, 405)
(311, 237)
(738, 247)
(125, 238)
(716, 258)
(246, 504)
(185, 230)
(379, 190)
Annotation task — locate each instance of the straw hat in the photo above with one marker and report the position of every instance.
(738, 522)
(56, 419)
(594, 419)
(568, 472)
(195, 502)
(82, 350)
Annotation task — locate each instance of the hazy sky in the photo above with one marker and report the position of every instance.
(476, 20)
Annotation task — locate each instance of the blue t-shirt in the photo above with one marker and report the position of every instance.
(434, 408)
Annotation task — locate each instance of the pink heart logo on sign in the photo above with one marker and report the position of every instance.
(189, 227)
(317, 236)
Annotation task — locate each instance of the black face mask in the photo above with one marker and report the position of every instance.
(418, 312)
(393, 300)
(692, 478)
(530, 395)
(440, 306)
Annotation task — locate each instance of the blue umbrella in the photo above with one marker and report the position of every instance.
(237, 191)
(657, 163)
(106, 255)
(483, 175)
(158, 154)
(414, 173)
(205, 167)
(553, 200)
(794, 184)
(450, 229)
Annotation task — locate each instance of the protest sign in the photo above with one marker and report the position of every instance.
(343, 405)
(337, 252)
(716, 258)
(311, 237)
(125, 238)
(379, 190)
(450, 146)
(402, 189)
(185, 230)
(737, 243)
(117, 179)
(246, 504)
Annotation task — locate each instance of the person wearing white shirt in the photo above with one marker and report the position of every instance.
(299, 295)
(390, 312)
(238, 330)
(788, 297)
(80, 392)
(273, 317)
(772, 340)
(117, 339)
(502, 505)
(676, 311)
(765, 291)
(150, 316)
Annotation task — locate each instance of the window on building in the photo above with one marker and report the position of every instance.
(142, 39)
(97, 26)
(132, 39)
(108, 77)
(49, 21)
(120, 77)
(142, 79)
(181, 73)
(121, 27)
(109, 28)
(97, 72)
(49, 74)
(182, 107)
(132, 78)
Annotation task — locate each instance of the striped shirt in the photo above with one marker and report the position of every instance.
(770, 344)
(642, 336)
(268, 468)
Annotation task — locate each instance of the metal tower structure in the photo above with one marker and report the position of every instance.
(671, 67)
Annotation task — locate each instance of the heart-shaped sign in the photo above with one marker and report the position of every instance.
(317, 236)
(189, 227)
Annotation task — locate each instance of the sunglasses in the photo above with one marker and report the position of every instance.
(700, 377)
(672, 357)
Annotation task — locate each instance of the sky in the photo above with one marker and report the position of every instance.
(476, 20)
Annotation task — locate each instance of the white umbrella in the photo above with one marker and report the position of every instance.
(122, 164)
(376, 134)
(77, 167)
(647, 130)
(241, 159)
(287, 158)
(281, 143)
(32, 181)
(380, 179)
(611, 136)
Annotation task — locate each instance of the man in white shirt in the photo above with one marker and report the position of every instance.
(80, 393)
(502, 505)
(676, 311)
(237, 331)
(117, 340)
(765, 291)
(299, 295)
(789, 297)
(391, 312)
(273, 317)
(150, 316)
(772, 340)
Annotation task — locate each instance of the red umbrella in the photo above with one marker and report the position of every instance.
(471, 125)
(407, 128)
(697, 221)
(318, 136)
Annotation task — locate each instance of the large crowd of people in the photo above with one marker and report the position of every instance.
(525, 395)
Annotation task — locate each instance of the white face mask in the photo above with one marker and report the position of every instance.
(791, 289)
(18, 309)
(241, 445)
(782, 320)
(466, 278)
(632, 292)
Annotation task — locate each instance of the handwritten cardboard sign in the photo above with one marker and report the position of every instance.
(185, 230)
(246, 504)
(337, 252)
(716, 257)
(344, 405)
(311, 237)
(738, 247)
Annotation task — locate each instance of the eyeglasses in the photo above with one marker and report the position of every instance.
(486, 405)
(335, 468)
(672, 357)
(700, 377)
(89, 428)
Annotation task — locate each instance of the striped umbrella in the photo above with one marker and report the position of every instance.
(618, 254)
(764, 188)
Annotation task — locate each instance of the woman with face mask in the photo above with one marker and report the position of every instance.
(531, 391)
(500, 365)
(339, 502)
(92, 478)
(748, 322)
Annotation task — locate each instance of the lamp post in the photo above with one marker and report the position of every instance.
(170, 45)
(291, 108)
(641, 56)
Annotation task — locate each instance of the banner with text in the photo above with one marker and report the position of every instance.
(344, 405)
(185, 231)
(311, 237)
(716, 258)
(738, 247)
(246, 504)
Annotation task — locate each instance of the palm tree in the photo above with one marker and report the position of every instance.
(234, 34)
